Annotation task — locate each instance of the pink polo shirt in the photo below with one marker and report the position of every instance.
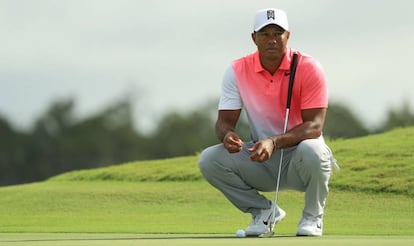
(246, 84)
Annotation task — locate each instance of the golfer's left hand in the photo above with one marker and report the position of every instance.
(262, 150)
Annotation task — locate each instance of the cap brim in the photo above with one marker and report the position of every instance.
(266, 24)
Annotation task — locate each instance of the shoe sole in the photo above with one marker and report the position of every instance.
(308, 234)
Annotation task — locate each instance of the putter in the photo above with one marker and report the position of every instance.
(271, 223)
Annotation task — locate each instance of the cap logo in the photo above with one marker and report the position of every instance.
(270, 14)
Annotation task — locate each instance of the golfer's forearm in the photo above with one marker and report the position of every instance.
(222, 129)
(226, 122)
(306, 130)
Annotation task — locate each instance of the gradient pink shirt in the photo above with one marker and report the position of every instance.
(246, 84)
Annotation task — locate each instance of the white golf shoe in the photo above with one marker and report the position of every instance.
(260, 221)
(310, 227)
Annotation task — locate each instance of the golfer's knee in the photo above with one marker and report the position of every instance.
(311, 151)
(206, 161)
(203, 162)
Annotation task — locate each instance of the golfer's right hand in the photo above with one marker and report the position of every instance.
(232, 142)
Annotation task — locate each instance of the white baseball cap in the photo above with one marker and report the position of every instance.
(269, 16)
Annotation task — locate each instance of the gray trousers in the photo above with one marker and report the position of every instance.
(306, 167)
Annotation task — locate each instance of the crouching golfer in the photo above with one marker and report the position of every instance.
(258, 83)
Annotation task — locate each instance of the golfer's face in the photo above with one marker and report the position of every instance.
(271, 41)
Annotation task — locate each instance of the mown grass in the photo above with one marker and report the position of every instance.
(173, 169)
(183, 208)
(376, 163)
(82, 239)
(371, 195)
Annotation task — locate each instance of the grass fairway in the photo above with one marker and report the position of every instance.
(79, 239)
(183, 207)
(166, 202)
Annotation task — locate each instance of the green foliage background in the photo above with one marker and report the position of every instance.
(59, 141)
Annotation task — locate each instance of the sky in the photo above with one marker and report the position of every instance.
(171, 55)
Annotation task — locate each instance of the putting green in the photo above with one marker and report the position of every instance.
(80, 239)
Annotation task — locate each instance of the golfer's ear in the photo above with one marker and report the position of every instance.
(254, 37)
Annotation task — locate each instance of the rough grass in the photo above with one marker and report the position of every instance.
(173, 169)
(371, 195)
(377, 163)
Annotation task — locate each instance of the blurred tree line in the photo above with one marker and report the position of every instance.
(59, 142)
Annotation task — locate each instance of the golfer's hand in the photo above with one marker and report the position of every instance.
(232, 142)
(262, 150)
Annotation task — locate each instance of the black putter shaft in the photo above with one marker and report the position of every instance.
(293, 66)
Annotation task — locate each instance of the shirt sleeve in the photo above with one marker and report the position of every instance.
(230, 97)
(315, 92)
